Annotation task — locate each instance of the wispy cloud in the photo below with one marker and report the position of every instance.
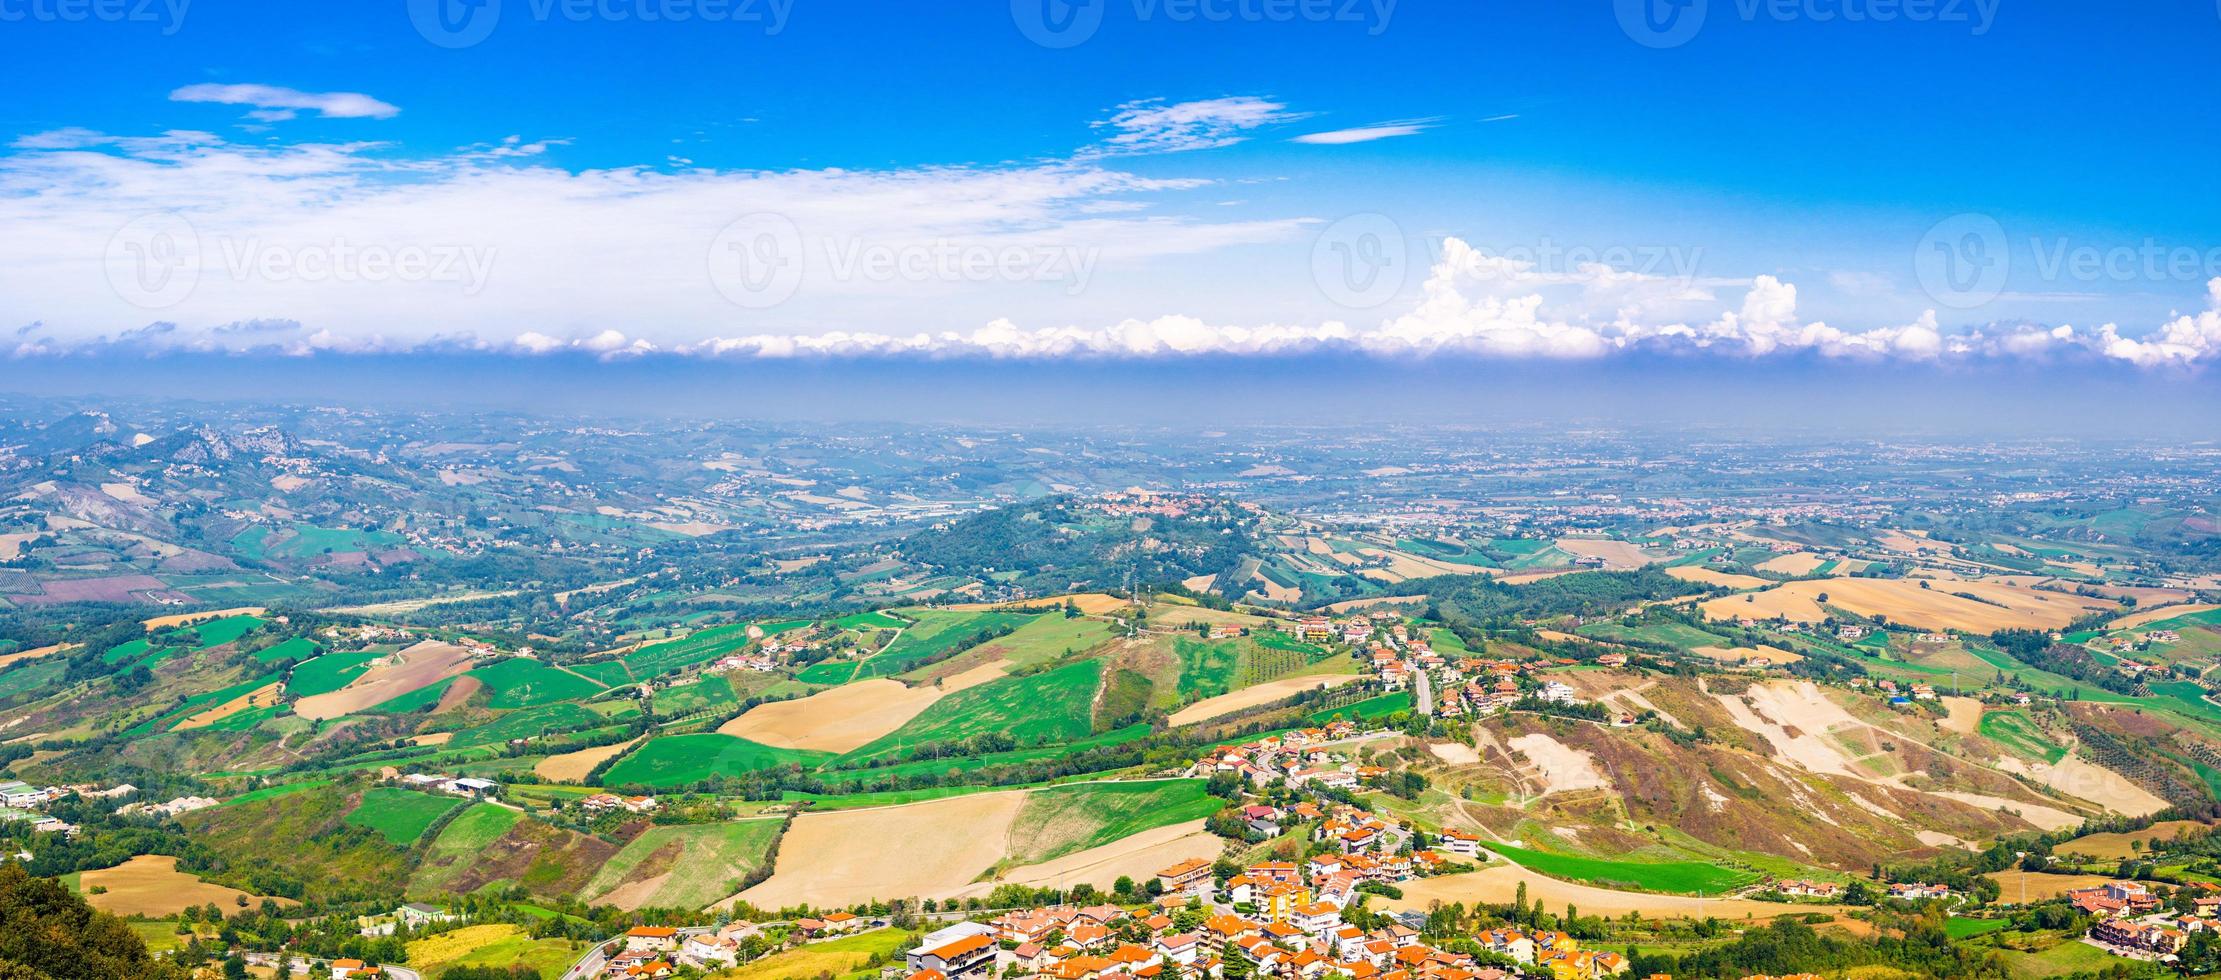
(274, 103)
(1367, 134)
(1155, 126)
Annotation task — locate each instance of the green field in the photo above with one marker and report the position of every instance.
(296, 648)
(1068, 819)
(2016, 731)
(1050, 638)
(968, 763)
(837, 959)
(530, 723)
(327, 673)
(1675, 877)
(696, 648)
(500, 946)
(195, 705)
(402, 815)
(1370, 708)
(936, 633)
(683, 760)
(711, 693)
(702, 863)
(870, 621)
(523, 683)
(308, 541)
(126, 652)
(1958, 927)
(461, 843)
(831, 672)
(1050, 707)
(217, 632)
(1207, 667)
(32, 676)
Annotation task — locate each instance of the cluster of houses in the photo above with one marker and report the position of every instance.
(601, 803)
(180, 805)
(653, 952)
(759, 662)
(1298, 758)
(2132, 921)
(1300, 940)
(1920, 891)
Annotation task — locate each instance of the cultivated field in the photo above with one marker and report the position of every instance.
(571, 767)
(2115, 847)
(1500, 883)
(180, 619)
(151, 885)
(680, 760)
(1740, 654)
(1997, 606)
(500, 946)
(2143, 616)
(849, 717)
(2040, 886)
(1088, 832)
(413, 669)
(20, 655)
(929, 850)
(683, 866)
(1137, 856)
(1255, 695)
(1794, 563)
(261, 697)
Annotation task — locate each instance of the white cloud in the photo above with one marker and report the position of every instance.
(615, 263)
(1154, 126)
(1367, 134)
(274, 103)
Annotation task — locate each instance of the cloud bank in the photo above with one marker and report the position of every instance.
(188, 241)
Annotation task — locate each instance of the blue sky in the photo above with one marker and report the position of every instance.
(1788, 179)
